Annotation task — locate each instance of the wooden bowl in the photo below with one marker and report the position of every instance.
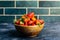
(30, 31)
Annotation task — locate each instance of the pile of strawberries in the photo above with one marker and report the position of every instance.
(29, 20)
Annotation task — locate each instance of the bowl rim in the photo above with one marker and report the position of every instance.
(27, 26)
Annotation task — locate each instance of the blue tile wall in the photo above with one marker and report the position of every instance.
(6, 3)
(18, 17)
(15, 11)
(10, 8)
(55, 11)
(26, 3)
(1, 11)
(8, 19)
(39, 11)
(49, 4)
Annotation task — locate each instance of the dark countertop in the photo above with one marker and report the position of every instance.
(51, 31)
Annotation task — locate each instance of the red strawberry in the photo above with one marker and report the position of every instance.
(30, 15)
(30, 22)
(41, 21)
(17, 22)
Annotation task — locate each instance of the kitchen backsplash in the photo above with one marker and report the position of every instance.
(47, 10)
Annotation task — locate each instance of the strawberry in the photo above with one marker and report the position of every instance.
(17, 22)
(41, 21)
(30, 15)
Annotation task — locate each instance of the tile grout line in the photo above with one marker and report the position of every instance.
(4, 11)
(6, 0)
(33, 7)
(11, 15)
(37, 16)
(26, 10)
(37, 7)
(49, 11)
(26, 0)
(15, 17)
(39, 0)
(33, 0)
(49, 0)
(38, 4)
(15, 7)
(15, 4)
(48, 15)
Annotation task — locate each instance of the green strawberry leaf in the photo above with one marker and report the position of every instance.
(21, 19)
(38, 24)
(21, 22)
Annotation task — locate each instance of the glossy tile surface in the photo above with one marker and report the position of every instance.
(39, 11)
(26, 3)
(15, 11)
(55, 11)
(6, 3)
(49, 4)
(1, 11)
